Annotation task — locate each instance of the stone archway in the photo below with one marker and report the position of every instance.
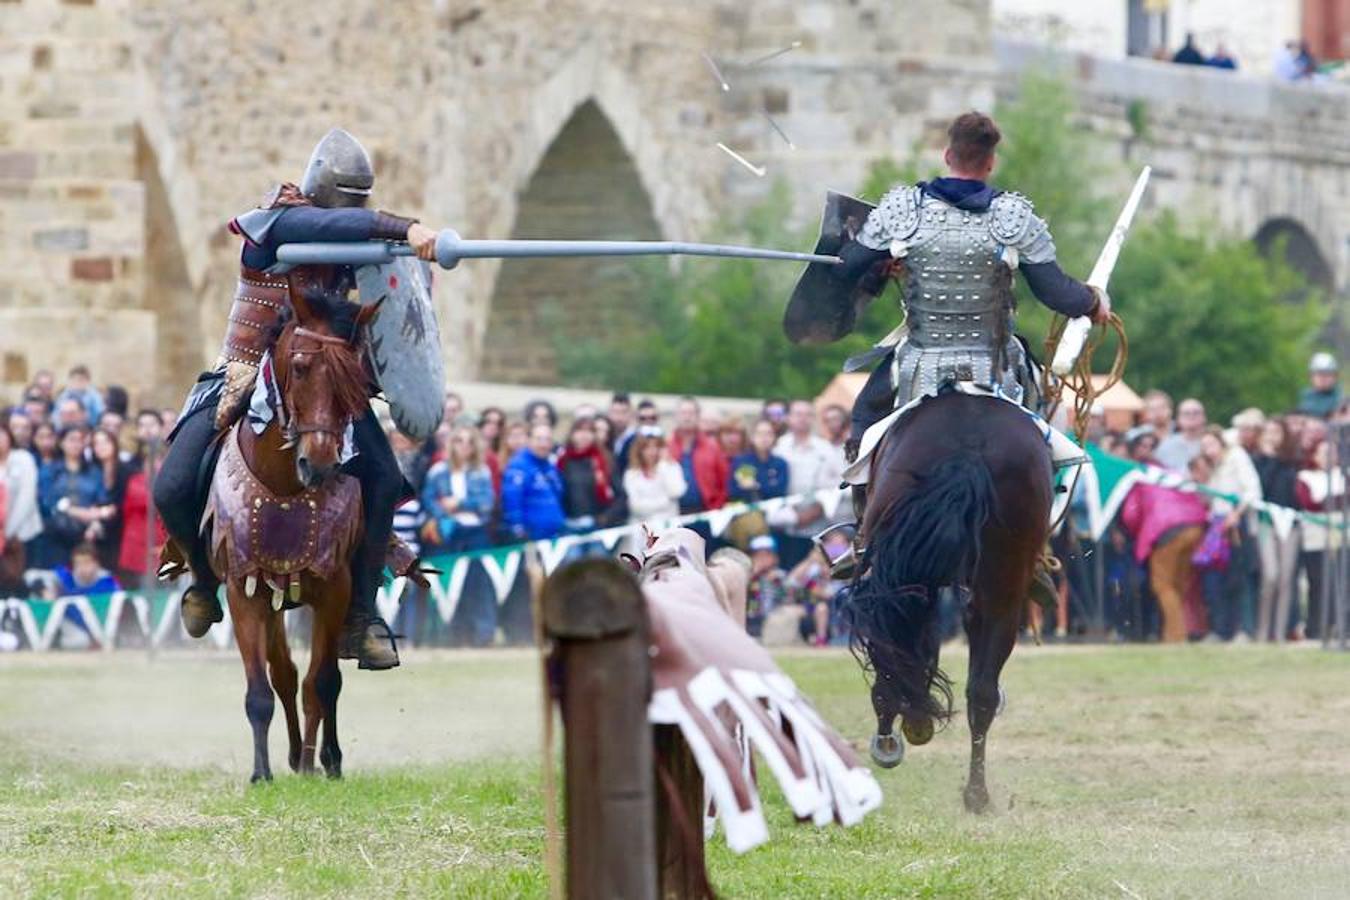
(586, 186)
(1300, 250)
(168, 288)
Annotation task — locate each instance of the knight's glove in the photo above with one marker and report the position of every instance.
(1101, 309)
(389, 227)
(234, 396)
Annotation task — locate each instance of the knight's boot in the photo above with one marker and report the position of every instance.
(847, 566)
(1043, 589)
(370, 642)
(200, 609)
(365, 636)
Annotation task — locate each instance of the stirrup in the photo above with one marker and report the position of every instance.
(850, 561)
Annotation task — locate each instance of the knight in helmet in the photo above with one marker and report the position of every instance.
(328, 205)
(953, 244)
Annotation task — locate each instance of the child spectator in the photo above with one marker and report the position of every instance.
(768, 584)
(820, 593)
(83, 577)
(759, 474)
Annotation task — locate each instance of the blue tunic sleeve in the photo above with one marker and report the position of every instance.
(308, 224)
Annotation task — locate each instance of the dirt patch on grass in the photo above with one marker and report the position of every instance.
(186, 710)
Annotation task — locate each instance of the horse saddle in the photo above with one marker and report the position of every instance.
(1064, 453)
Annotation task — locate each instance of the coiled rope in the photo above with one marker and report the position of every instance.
(1079, 378)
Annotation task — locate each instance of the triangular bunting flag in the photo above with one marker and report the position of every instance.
(502, 566)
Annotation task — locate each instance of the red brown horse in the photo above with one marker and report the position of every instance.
(285, 524)
(961, 496)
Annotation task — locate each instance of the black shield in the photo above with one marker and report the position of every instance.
(823, 308)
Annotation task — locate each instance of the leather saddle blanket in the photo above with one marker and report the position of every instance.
(724, 692)
(1064, 453)
(261, 537)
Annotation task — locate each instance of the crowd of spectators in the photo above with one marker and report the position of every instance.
(1179, 565)
(76, 469)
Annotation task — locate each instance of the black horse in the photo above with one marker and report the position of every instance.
(960, 498)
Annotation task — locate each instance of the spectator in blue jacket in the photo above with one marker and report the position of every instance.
(532, 489)
(759, 474)
(73, 500)
(458, 496)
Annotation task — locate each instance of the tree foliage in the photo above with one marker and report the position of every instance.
(1206, 315)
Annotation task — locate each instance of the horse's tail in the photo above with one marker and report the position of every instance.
(928, 540)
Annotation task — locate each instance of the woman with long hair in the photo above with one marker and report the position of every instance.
(653, 481)
(458, 500)
(1276, 462)
(115, 474)
(46, 443)
(588, 479)
(492, 430)
(73, 500)
(1320, 488)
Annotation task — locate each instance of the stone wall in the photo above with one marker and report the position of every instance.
(1229, 150)
(72, 204)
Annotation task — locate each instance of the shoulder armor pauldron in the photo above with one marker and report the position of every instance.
(896, 218)
(1010, 217)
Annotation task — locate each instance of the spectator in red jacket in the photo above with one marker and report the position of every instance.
(706, 468)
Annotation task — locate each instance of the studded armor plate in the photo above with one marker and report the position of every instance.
(957, 288)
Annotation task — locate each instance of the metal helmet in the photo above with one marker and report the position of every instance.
(339, 172)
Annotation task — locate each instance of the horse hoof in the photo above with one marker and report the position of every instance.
(887, 750)
(260, 778)
(917, 732)
(977, 800)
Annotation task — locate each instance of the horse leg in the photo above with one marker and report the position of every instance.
(322, 683)
(887, 748)
(992, 636)
(329, 685)
(285, 680)
(250, 634)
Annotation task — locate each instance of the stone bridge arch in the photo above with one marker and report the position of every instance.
(657, 189)
(1301, 250)
(586, 186)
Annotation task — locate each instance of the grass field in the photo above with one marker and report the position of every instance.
(1207, 772)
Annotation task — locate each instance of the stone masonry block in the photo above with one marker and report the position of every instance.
(61, 240)
(99, 268)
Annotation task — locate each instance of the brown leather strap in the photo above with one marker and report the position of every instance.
(260, 301)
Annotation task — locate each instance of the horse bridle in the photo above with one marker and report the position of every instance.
(293, 427)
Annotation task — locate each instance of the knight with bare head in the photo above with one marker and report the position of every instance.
(952, 244)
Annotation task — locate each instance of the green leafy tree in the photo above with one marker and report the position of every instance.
(1212, 318)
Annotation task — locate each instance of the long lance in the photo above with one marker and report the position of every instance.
(1077, 330)
(451, 248)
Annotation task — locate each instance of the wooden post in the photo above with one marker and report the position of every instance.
(594, 612)
(679, 836)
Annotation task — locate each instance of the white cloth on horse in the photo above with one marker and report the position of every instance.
(1064, 453)
(265, 405)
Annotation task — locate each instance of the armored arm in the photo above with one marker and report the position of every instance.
(1029, 246)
